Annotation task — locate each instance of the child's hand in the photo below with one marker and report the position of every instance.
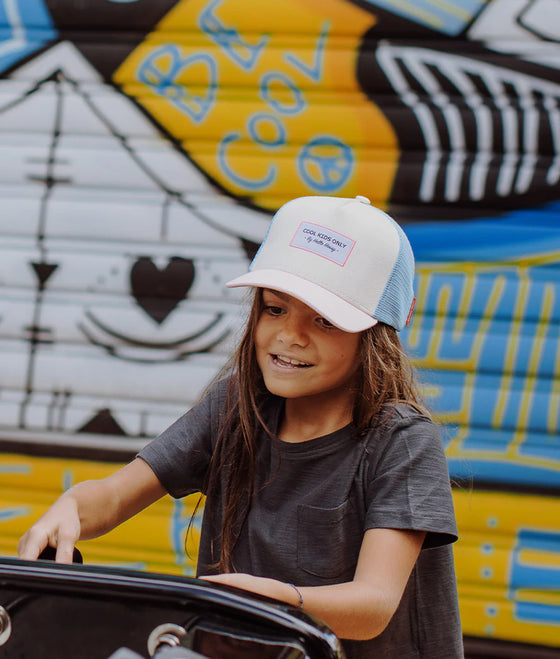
(59, 527)
(261, 585)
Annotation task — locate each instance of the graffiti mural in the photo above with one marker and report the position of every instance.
(144, 145)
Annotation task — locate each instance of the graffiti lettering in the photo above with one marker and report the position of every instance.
(260, 137)
(535, 567)
(238, 179)
(243, 53)
(488, 335)
(267, 82)
(161, 71)
(315, 71)
(324, 163)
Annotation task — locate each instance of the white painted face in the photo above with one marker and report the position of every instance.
(529, 28)
(481, 84)
(113, 257)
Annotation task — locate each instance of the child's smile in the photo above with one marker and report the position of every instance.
(286, 362)
(301, 354)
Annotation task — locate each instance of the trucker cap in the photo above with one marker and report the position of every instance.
(344, 258)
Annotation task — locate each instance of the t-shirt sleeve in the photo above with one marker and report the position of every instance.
(181, 454)
(408, 484)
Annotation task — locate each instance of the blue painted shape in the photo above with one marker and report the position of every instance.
(501, 472)
(179, 526)
(243, 53)
(540, 445)
(267, 94)
(486, 440)
(510, 235)
(485, 390)
(7, 514)
(485, 452)
(179, 529)
(449, 386)
(315, 71)
(67, 479)
(537, 612)
(238, 179)
(25, 26)
(504, 281)
(504, 335)
(161, 71)
(451, 17)
(535, 576)
(261, 118)
(15, 469)
(325, 163)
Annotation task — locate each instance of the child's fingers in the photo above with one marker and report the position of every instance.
(32, 543)
(58, 531)
(65, 548)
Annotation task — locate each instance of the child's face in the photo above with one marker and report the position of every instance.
(300, 353)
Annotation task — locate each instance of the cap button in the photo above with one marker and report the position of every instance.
(363, 200)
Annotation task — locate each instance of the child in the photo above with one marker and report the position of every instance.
(326, 484)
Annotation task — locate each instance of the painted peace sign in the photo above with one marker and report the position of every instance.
(326, 163)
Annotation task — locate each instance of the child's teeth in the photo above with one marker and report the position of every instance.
(293, 362)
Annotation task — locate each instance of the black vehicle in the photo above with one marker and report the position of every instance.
(53, 611)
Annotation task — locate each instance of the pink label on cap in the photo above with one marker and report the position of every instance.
(323, 241)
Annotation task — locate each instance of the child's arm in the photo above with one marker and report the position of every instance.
(90, 509)
(358, 609)
(362, 608)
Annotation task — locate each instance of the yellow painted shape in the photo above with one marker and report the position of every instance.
(489, 524)
(495, 619)
(505, 513)
(247, 125)
(249, 18)
(477, 566)
(152, 540)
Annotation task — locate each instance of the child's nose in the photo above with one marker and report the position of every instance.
(293, 331)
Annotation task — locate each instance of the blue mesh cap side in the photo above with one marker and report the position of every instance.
(395, 303)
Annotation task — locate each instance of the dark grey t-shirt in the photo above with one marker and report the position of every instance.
(313, 502)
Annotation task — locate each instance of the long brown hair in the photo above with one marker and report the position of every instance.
(386, 378)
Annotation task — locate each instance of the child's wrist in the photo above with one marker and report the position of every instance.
(298, 594)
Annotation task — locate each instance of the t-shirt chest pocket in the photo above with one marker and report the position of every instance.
(328, 541)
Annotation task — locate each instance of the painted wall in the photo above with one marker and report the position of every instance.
(144, 145)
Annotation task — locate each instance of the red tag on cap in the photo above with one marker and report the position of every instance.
(411, 311)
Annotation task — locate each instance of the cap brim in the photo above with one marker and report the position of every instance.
(340, 313)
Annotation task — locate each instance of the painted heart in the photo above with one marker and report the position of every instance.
(159, 291)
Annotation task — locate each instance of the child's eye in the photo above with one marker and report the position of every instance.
(326, 324)
(273, 310)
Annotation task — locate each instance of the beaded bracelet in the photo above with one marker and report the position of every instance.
(300, 596)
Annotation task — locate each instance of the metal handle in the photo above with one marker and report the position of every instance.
(5, 625)
(166, 634)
